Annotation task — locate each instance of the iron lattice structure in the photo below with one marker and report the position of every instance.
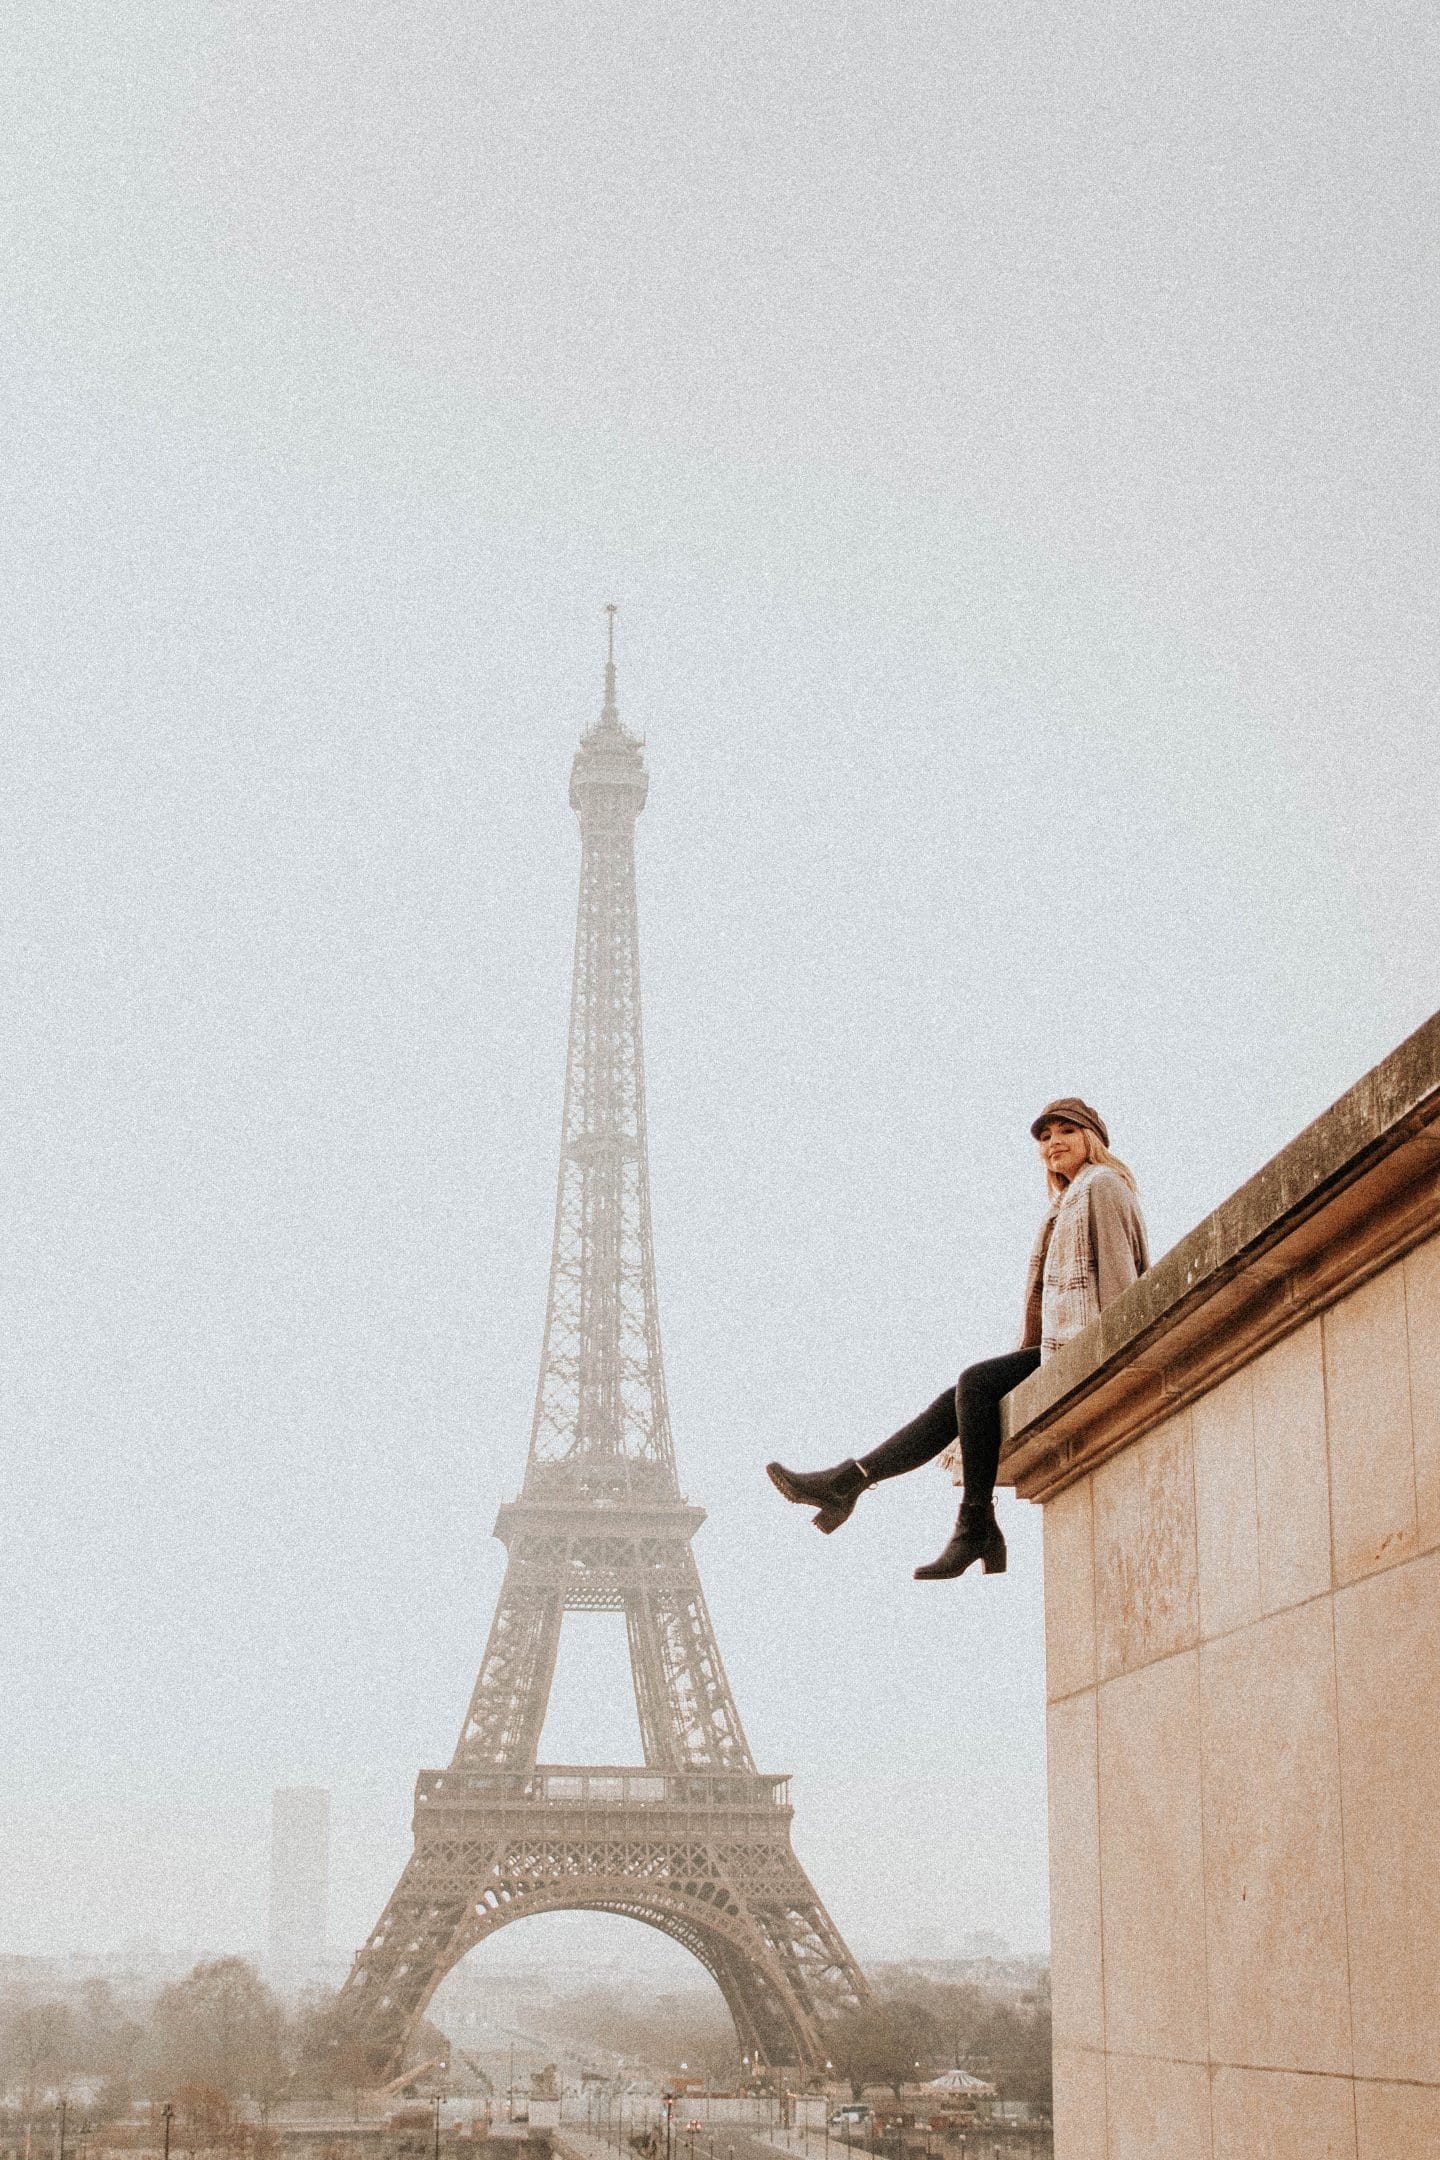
(695, 1842)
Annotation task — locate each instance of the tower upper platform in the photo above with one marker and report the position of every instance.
(608, 778)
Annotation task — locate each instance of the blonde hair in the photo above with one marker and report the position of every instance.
(1097, 1152)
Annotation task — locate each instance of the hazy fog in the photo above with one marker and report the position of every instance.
(1008, 431)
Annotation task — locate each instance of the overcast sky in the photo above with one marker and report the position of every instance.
(1008, 432)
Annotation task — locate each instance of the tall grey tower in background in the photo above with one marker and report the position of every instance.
(299, 1883)
(693, 1841)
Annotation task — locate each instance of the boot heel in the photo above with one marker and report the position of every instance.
(976, 1536)
(830, 1518)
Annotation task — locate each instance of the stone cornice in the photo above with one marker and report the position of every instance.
(1350, 1194)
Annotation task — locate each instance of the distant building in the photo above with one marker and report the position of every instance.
(980, 1944)
(299, 1883)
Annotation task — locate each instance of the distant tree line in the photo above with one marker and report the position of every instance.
(218, 2043)
(209, 2044)
(920, 2026)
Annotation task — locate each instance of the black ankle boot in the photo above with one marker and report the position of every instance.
(834, 1492)
(976, 1536)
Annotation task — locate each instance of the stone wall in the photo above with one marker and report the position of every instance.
(1241, 1485)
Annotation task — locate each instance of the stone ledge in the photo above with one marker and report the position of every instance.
(1351, 1193)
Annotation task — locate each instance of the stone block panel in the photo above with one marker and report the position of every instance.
(1146, 1570)
(1274, 1852)
(1080, 2128)
(1372, 1453)
(1292, 1470)
(1387, 1651)
(1076, 1979)
(1422, 1318)
(1069, 1592)
(1222, 1426)
(1394, 2122)
(1156, 2109)
(1275, 2115)
(1151, 1861)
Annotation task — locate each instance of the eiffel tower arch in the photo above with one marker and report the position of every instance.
(694, 1842)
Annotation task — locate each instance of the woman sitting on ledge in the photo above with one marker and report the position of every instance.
(1091, 1246)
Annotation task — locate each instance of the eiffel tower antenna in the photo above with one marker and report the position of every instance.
(694, 1841)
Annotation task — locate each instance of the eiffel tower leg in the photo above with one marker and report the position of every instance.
(687, 1712)
(652, 1701)
(507, 1709)
(420, 1935)
(821, 1977)
(761, 2024)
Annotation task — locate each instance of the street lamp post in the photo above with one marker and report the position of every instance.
(165, 2114)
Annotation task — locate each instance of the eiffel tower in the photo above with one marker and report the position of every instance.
(695, 1842)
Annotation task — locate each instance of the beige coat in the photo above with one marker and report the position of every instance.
(1092, 1245)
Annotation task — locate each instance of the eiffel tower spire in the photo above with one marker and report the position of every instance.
(694, 1842)
(610, 713)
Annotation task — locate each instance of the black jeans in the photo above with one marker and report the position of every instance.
(971, 1408)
